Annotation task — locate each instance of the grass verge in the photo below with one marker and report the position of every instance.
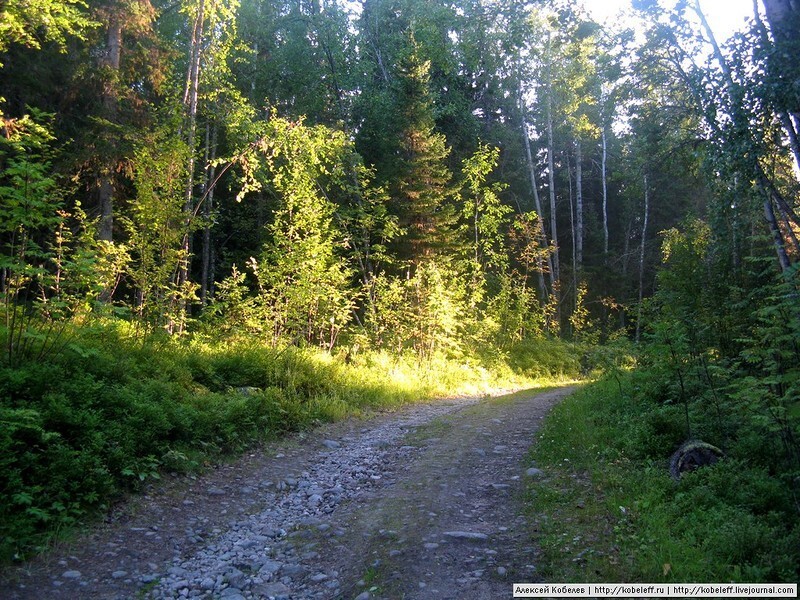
(606, 508)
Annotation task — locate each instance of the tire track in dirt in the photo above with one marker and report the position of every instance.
(451, 527)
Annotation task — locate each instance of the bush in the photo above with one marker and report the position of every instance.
(539, 357)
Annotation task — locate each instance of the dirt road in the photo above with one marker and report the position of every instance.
(417, 504)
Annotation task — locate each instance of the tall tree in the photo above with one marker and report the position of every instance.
(422, 189)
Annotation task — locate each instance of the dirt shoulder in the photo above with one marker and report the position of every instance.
(420, 503)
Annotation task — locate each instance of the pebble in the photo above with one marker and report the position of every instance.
(331, 444)
(363, 596)
(271, 590)
(207, 584)
(118, 574)
(534, 472)
(467, 535)
(71, 574)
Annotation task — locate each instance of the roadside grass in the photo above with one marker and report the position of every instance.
(606, 508)
(113, 410)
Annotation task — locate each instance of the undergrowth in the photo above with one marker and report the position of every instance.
(608, 510)
(113, 410)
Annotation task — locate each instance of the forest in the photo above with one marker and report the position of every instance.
(225, 220)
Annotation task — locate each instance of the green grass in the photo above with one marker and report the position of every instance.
(111, 411)
(607, 509)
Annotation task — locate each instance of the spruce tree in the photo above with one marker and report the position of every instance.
(422, 188)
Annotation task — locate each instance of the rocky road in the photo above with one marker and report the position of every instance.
(420, 503)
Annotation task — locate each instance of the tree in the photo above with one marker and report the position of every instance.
(422, 188)
(483, 221)
(303, 281)
(32, 22)
(120, 17)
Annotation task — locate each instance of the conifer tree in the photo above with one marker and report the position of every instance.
(422, 190)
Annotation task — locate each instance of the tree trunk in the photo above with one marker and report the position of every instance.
(551, 180)
(579, 204)
(110, 60)
(538, 206)
(791, 133)
(574, 246)
(603, 164)
(780, 247)
(207, 269)
(190, 98)
(641, 257)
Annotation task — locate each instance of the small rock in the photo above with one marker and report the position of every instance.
(292, 570)
(314, 500)
(467, 535)
(501, 571)
(431, 546)
(269, 568)
(178, 585)
(318, 577)
(278, 591)
(71, 574)
(232, 593)
(207, 583)
(534, 472)
(118, 574)
(331, 444)
(236, 578)
(363, 596)
(215, 492)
